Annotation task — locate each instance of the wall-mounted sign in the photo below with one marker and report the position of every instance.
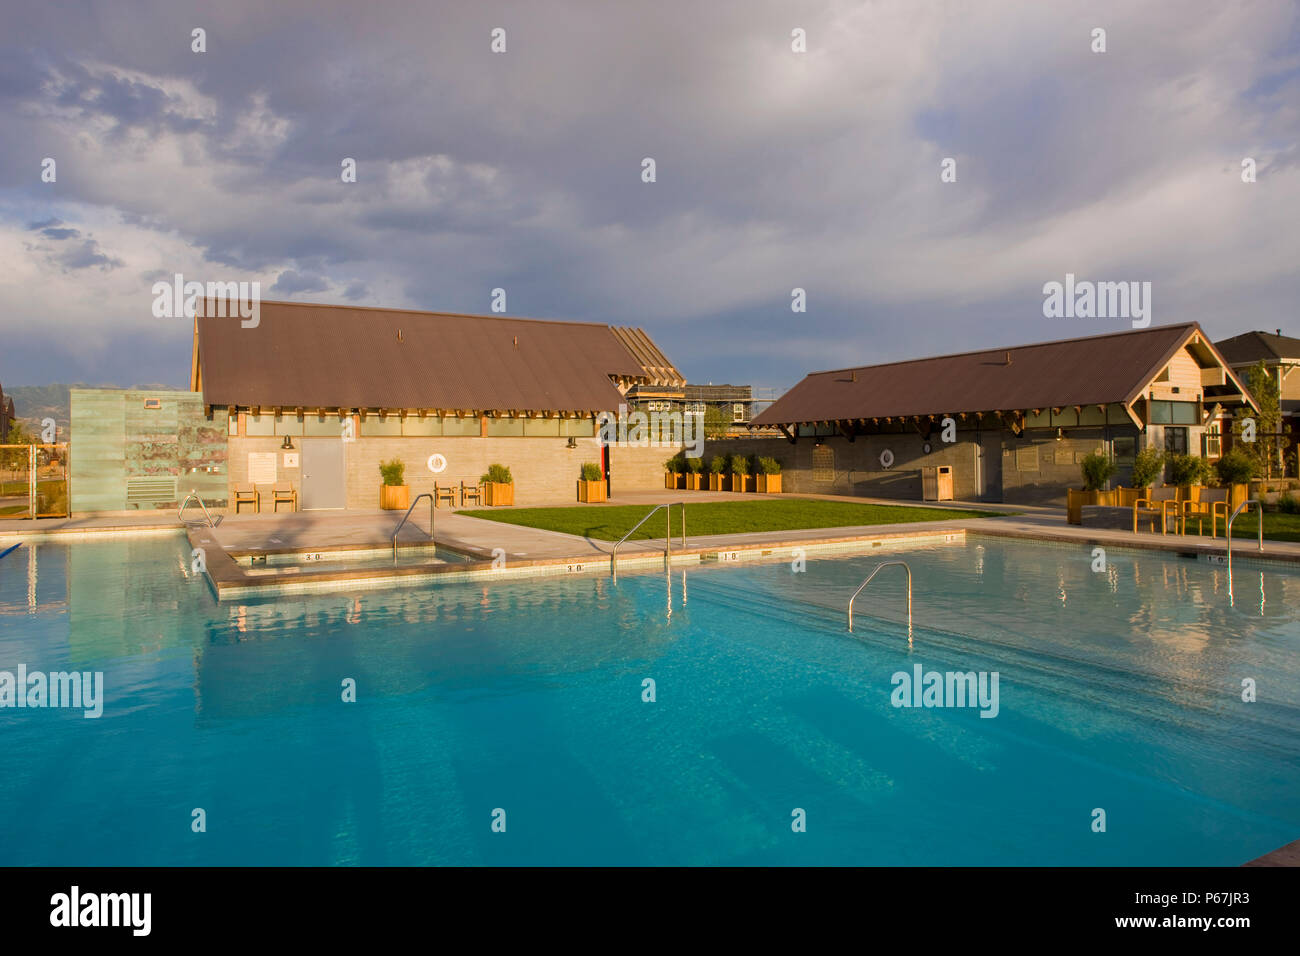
(290, 459)
(261, 468)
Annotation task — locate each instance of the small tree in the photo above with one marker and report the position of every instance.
(1097, 469)
(718, 465)
(1269, 445)
(1187, 470)
(694, 465)
(1147, 467)
(1235, 468)
(497, 475)
(769, 466)
(739, 465)
(591, 471)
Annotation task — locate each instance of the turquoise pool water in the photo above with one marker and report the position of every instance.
(1118, 690)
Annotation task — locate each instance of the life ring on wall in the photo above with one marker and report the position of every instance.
(886, 459)
(437, 463)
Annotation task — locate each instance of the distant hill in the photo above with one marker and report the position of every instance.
(36, 402)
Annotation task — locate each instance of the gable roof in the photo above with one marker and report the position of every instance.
(1249, 347)
(1096, 370)
(328, 356)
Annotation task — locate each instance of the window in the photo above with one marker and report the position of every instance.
(1174, 413)
(1213, 443)
(1175, 441)
(738, 412)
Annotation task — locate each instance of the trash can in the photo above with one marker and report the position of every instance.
(936, 483)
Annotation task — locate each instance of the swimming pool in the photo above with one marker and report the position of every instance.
(1119, 690)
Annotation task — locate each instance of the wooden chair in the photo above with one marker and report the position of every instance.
(473, 492)
(1213, 503)
(284, 493)
(1162, 502)
(248, 495)
(445, 493)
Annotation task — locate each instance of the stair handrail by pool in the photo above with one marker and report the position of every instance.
(668, 532)
(423, 494)
(1238, 510)
(886, 564)
(180, 515)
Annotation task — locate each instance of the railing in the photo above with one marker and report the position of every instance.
(901, 564)
(1238, 510)
(432, 503)
(10, 550)
(668, 532)
(180, 515)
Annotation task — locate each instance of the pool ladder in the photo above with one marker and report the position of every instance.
(193, 496)
(1245, 505)
(879, 567)
(424, 494)
(668, 536)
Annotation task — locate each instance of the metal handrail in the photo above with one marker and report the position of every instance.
(180, 515)
(1238, 510)
(432, 504)
(886, 564)
(668, 532)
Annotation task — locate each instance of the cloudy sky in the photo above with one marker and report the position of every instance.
(522, 170)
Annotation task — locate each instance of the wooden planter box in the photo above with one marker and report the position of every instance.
(394, 497)
(717, 482)
(1236, 495)
(1190, 493)
(670, 480)
(1127, 497)
(1077, 498)
(742, 483)
(498, 493)
(694, 482)
(768, 484)
(589, 491)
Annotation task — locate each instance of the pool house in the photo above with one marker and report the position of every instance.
(1022, 418)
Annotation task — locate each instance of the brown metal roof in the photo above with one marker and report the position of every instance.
(1101, 369)
(1251, 347)
(328, 356)
(658, 369)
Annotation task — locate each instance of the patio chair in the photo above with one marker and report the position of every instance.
(472, 492)
(1213, 503)
(445, 493)
(284, 493)
(1162, 502)
(246, 494)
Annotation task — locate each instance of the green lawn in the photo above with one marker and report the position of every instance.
(1277, 527)
(611, 522)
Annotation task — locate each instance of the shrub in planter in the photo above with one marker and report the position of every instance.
(768, 479)
(1097, 471)
(717, 471)
(394, 495)
(739, 472)
(674, 472)
(694, 480)
(1188, 473)
(1235, 470)
(1147, 467)
(498, 486)
(591, 486)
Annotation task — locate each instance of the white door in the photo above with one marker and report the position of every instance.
(324, 477)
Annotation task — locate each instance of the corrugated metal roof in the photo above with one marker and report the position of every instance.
(657, 367)
(327, 356)
(1102, 369)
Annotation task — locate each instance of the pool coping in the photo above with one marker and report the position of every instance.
(229, 580)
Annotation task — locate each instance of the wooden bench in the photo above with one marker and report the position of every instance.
(284, 493)
(472, 492)
(248, 495)
(1213, 503)
(1162, 502)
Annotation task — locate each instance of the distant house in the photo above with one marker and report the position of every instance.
(1281, 356)
(1023, 418)
(319, 395)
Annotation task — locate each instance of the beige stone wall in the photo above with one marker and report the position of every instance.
(545, 470)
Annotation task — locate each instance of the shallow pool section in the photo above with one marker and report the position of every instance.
(1120, 690)
(348, 559)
